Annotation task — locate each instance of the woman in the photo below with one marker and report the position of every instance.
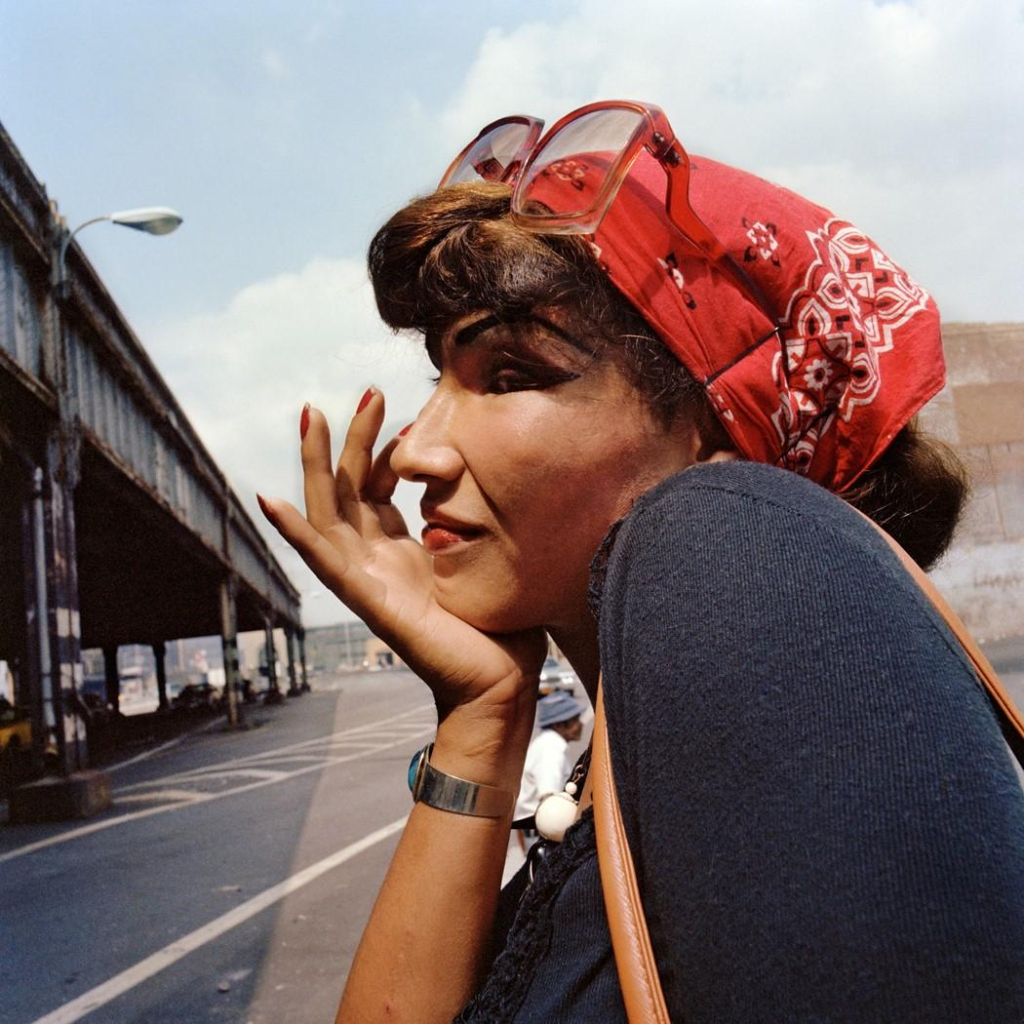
(825, 823)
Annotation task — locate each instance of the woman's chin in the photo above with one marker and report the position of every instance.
(484, 614)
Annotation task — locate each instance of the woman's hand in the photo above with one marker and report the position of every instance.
(356, 543)
(359, 547)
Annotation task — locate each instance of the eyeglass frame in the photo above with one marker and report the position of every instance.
(653, 133)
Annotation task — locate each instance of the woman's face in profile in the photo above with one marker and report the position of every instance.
(531, 446)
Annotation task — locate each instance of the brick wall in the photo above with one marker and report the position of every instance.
(981, 413)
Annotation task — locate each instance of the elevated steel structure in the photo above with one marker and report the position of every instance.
(116, 525)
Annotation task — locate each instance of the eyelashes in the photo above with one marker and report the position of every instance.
(512, 375)
(504, 372)
(507, 379)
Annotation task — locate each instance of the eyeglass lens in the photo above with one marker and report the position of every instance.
(492, 156)
(568, 158)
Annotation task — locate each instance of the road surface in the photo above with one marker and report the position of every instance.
(232, 878)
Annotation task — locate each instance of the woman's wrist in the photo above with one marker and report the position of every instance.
(486, 743)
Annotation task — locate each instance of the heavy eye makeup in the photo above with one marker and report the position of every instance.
(502, 357)
(508, 373)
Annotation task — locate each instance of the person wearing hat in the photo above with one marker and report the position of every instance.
(546, 769)
(547, 758)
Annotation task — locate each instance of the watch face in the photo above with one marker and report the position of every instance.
(419, 759)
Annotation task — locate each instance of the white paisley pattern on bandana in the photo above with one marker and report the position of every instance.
(837, 324)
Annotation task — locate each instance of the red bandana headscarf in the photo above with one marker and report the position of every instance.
(861, 349)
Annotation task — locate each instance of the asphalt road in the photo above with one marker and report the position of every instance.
(232, 878)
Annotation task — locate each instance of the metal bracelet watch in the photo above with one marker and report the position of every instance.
(449, 793)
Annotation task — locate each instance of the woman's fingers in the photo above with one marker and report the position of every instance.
(357, 453)
(358, 490)
(338, 570)
(380, 487)
(317, 473)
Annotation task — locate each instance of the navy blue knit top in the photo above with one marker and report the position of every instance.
(825, 820)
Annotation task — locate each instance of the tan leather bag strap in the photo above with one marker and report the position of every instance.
(1010, 717)
(631, 941)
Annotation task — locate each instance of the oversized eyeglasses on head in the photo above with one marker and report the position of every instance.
(565, 181)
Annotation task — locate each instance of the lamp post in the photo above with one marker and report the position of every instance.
(49, 529)
(154, 220)
(57, 600)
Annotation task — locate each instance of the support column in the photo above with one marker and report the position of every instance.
(37, 619)
(229, 644)
(62, 468)
(113, 677)
(302, 659)
(160, 655)
(273, 691)
(76, 793)
(57, 604)
(293, 683)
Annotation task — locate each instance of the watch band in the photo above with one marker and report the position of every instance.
(450, 793)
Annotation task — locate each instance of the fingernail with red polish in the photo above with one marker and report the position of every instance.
(365, 400)
(265, 508)
(304, 422)
(405, 430)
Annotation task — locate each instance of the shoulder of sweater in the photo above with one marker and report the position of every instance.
(735, 500)
(733, 484)
(752, 481)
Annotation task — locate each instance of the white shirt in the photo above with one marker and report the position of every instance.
(547, 767)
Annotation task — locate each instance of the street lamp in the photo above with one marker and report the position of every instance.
(154, 220)
(62, 466)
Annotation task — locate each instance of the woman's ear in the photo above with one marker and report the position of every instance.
(700, 442)
(703, 436)
(710, 444)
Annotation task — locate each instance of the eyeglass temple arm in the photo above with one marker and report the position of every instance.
(682, 214)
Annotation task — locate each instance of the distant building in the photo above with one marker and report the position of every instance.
(346, 647)
(980, 412)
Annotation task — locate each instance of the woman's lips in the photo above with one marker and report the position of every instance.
(441, 536)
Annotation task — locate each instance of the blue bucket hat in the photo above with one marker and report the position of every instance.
(557, 707)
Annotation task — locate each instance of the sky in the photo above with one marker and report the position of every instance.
(286, 132)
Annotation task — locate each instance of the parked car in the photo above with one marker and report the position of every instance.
(15, 745)
(197, 697)
(555, 677)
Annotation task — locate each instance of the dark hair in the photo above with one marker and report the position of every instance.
(456, 252)
(916, 491)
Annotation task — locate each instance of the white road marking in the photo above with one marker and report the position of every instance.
(153, 751)
(170, 954)
(234, 773)
(286, 758)
(184, 796)
(277, 753)
(200, 797)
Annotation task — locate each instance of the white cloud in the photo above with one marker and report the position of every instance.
(274, 64)
(903, 117)
(242, 375)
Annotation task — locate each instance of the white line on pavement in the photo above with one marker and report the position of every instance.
(183, 796)
(357, 731)
(235, 773)
(199, 798)
(147, 754)
(145, 969)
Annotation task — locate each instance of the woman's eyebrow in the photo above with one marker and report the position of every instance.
(562, 333)
(472, 331)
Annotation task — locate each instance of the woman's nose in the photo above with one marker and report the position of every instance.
(426, 449)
